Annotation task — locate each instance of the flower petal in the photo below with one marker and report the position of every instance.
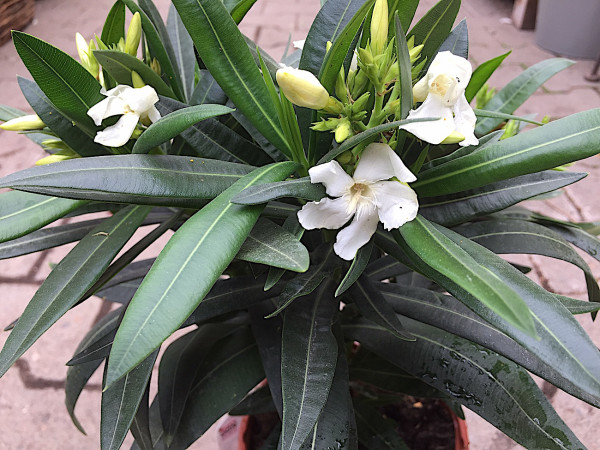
(140, 100)
(379, 162)
(153, 114)
(118, 134)
(110, 106)
(433, 132)
(327, 213)
(333, 177)
(396, 203)
(464, 120)
(355, 235)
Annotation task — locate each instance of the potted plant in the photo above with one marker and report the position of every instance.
(337, 221)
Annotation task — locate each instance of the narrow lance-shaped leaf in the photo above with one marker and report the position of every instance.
(457, 41)
(186, 269)
(183, 48)
(481, 74)
(114, 26)
(69, 280)
(308, 358)
(404, 69)
(224, 51)
(299, 188)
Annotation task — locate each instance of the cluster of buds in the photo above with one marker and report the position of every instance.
(60, 152)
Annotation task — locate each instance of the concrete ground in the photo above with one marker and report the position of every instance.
(32, 415)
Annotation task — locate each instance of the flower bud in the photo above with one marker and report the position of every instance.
(360, 103)
(136, 80)
(302, 88)
(155, 65)
(453, 138)
(379, 27)
(134, 34)
(415, 52)
(343, 131)
(94, 67)
(24, 123)
(82, 49)
(61, 155)
(346, 158)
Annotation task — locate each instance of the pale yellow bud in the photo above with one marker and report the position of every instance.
(379, 27)
(94, 67)
(61, 155)
(302, 88)
(155, 66)
(134, 34)
(454, 138)
(24, 123)
(343, 131)
(415, 52)
(136, 80)
(82, 49)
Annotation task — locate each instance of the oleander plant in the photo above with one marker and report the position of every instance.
(336, 221)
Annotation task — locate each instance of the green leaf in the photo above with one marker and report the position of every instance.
(453, 262)
(225, 53)
(140, 426)
(359, 264)
(83, 144)
(70, 87)
(405, 68)
(145, 179)
(120, 403)
(114, 26)
(241, 8)
(447, 313)
(169, 126)
(372, 305)
(522, 237)
(177, 372)
(232, 366)
(120, 65)
(299, 188)
(579, 238)
(309, 352)
(186, 269)
(504, 117)
(557, 143)
(465, 206)
(490, 385)
(406, 10)
(78, 376)
(270, 244)
(8, 112)
(69, 280)
(481, 74)
(184, 50)
(434, 26)
(22, 212)
(385, 267)
(514, 94)
(374, 429)
(207, 90)
(158, 42)
(457, 41)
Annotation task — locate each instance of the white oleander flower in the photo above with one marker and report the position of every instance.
(442, 91)
(134, 104)
(369, 195)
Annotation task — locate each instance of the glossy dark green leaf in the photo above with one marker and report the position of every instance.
(481, 74)
(522, 237)
(207, 90)
(120, 65)
(359, 264)
(434, 26)
(133, 271)
(560, 142)
(114, 26)
(270, 244)
(578, 306)
(177, 372)
(83, 144)
(69, 280)
(464, 206)
(299, 188)
(514, 94)
(309, 353)
(292, 225)
(457, 41)
(97, 350)
(492, 386)
(78, 376)
(336, 426)
(22, 212)
(372, 305)
(158, 43)
(405, 68)
(70, 87)
(232, 366)
(385, 267)
(505, 117)
(304, 284)
(579, 238)
(374, 429)
(240, 8)
(184, 50)
(449, 314)
(120, 403)
(223, 49)
(140, 426)
(406, 12)
(449, 259)
(186, 269)
(169, 126)
(258, 401)
(145, 179)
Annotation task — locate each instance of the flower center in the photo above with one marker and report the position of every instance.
(445, 87)
(361, 197)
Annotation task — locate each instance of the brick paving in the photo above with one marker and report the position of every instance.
(31, 397)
